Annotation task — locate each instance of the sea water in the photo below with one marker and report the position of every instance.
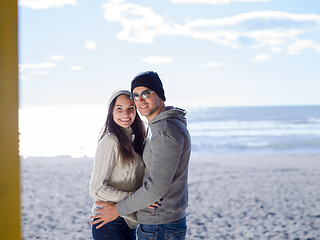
(74, 131)
(252, 130)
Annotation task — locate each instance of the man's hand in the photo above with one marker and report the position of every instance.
(107, 213)
(156, 204)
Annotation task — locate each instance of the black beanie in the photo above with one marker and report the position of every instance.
(149, 80)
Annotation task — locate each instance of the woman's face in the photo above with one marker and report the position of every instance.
(124, 111)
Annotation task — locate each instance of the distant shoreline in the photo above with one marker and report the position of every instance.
(196, 155)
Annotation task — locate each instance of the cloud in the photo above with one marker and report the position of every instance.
(157, 60)
(298, 46)
(276, 49)
(56, 57)
(44, 4)
(24, 77)
(213, 65)
(261, 58)
(140, 24)
(215, 1)
(40, 72)
(90, 45)
(272, 84)
(260, 29)
(76, 68)
(43, 65)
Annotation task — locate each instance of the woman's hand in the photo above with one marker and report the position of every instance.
(107, 212)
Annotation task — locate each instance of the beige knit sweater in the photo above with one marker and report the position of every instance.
(111, 180)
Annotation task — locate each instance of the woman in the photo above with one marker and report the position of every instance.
(118, 167)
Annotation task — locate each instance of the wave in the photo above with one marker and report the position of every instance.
(265, 128)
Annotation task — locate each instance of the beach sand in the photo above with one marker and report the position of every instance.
(230, 197)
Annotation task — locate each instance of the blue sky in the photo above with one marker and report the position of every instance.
(207, 52)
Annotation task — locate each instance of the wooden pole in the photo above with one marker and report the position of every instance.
(10, 220)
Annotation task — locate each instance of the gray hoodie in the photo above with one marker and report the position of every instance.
(166, 157)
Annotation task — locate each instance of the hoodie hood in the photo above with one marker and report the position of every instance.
(171, 112)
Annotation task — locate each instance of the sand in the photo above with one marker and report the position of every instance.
(230, 197)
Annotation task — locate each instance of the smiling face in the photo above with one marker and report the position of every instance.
(148, 107)
(124, 111)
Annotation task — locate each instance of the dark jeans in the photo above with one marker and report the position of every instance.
(115, 230)
(175, 230)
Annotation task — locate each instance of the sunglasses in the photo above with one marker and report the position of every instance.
(144, 94)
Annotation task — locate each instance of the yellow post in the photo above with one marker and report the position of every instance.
(10, 226)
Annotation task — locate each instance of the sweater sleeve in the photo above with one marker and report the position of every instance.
(106, 155)
(166, 153)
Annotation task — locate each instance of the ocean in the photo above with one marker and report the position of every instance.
(255, 130)
(73, 131)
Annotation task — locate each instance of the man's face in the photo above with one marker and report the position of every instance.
(150, 106)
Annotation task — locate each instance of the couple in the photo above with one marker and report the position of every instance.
(127, 190)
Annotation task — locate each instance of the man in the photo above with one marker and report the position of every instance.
(166, 157)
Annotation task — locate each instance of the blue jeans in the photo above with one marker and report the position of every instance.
(115, 230)
(175, 230)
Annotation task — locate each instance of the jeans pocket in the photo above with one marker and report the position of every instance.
(176, 230)
(175, 234)
(146, 232)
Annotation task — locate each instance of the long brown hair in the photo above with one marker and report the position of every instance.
(126, 146)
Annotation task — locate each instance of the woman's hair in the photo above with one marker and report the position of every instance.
(126, 146)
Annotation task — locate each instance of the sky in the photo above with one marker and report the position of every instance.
(73, 54)
(207, 52)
